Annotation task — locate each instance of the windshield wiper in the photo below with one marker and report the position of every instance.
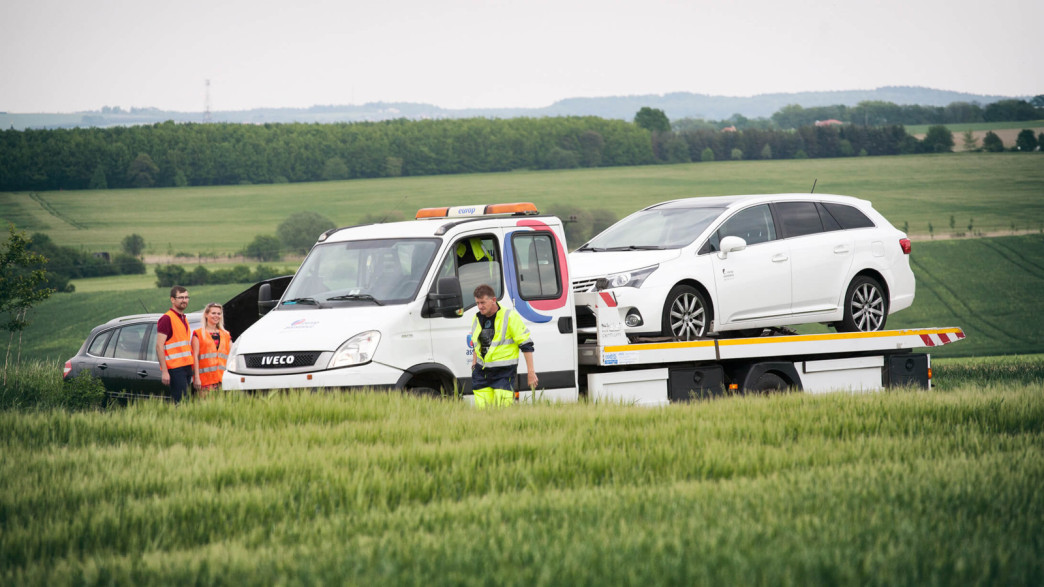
(366, 297)
(589, 248)
(637, 248)
(309, 301)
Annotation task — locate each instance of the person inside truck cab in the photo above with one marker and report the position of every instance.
(472, 251)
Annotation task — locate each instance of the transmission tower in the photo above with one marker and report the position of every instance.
(206, 107)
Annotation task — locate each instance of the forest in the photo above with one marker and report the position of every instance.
(195, 154)
(170, 154)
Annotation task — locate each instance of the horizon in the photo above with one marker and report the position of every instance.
(120, 109)
(62, 57)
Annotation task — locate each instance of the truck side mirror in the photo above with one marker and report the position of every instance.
(446, 300)
(730, 244)
(265, 303)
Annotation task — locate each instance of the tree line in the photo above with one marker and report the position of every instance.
(879, 113)
(169, 154)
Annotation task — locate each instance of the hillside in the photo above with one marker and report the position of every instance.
(676, 105)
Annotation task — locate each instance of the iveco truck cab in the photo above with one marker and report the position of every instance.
(390, 306)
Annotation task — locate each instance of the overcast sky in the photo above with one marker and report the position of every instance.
(72, 55)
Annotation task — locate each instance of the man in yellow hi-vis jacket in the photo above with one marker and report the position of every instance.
(498, 336)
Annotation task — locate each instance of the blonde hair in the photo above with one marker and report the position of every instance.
(221, 322)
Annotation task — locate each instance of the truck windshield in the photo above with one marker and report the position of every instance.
(656, 228)
(370, 272)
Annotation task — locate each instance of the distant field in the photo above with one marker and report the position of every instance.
(995, 190)
(1006, 131)
(920, 129)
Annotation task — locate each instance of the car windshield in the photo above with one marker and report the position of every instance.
(375, 272)
(656, 228)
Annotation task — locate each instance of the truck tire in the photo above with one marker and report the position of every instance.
(866, 306)
(769, 382)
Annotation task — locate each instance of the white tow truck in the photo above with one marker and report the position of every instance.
(390, 306)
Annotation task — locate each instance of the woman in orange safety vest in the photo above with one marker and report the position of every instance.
(210, 347)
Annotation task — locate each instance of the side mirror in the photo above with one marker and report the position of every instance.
(731, 244)
(265, 303)
(446, 300)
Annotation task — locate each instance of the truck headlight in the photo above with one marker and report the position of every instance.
(629, 278)
(357, 350)
(233, 357)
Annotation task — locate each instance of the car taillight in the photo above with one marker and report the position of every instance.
(906, 245)
(67, 369)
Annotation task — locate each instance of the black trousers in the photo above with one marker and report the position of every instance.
(180, 379)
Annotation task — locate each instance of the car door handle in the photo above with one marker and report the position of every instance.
(143, 373)
(842, 250)
(779, 258)
(103, 366)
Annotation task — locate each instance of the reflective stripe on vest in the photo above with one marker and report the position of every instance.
(177, 350)
(212, 359)
(502, 351)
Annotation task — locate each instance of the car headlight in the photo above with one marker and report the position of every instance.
(357, 350)
(628, 278)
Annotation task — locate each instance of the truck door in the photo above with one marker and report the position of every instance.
(474, 259)
(537, 280)
(526, 266)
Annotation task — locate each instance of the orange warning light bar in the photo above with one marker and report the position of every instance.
(521, 208)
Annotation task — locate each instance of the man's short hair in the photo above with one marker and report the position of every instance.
(484, 291)
(177, 289)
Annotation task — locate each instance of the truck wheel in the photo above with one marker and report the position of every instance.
(686, 313)
(866, 306)
(769, 382)
(425, 387)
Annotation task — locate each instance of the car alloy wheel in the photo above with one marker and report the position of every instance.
(685, 314)
(865, 306)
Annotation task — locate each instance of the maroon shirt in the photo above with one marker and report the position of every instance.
(163, 327)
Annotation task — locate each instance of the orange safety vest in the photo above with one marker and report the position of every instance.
(212, 358)
(177, 351)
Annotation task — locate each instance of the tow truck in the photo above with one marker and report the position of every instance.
(389, 306)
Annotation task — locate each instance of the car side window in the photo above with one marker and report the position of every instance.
(129, 340)
(753, 225)
(97, 347)
(537, 266)
(798, 218)
(150, 346)
(848, 216)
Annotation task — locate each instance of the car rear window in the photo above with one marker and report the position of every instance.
(97, 347)
(848, 216)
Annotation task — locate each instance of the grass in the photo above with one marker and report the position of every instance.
(994, 189)
(990, 287)
(901, 487)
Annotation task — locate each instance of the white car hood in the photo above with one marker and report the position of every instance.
(590, 265)
(318, 329)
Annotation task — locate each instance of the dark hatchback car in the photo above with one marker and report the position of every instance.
(122, 352)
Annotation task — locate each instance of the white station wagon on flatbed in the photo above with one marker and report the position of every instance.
(738, 264)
